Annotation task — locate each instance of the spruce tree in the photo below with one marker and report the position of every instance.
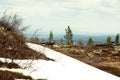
(108, 40)
(69, 36)
(90, 42)
(51, 37)
(117, 40)
(81, 43)
(62, 41)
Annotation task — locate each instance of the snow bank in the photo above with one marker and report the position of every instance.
(63, 68)
(67, 68)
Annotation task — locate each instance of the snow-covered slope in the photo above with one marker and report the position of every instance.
(65, 67)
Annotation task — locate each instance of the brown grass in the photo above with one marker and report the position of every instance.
(9, 65)
(10, 47)
(104, 60)
(8, 75)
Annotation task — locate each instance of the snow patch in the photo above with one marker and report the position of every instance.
(63, 68)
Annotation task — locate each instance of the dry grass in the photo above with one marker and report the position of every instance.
(10, 47)
(8, 75)
(9, 65)
(98, 56)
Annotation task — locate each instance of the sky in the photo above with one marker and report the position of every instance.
(83, 16)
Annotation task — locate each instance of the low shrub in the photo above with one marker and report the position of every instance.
(8, 75)
(9, 65)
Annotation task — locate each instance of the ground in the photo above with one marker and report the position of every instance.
(104, 57)
(11, 47)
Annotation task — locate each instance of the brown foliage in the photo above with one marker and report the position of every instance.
(12, 41)
(100, 56)
(8, 75)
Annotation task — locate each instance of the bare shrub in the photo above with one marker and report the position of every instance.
(12, 23)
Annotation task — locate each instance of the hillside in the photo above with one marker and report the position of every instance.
(12, 46)
(104, 57)
(20, 59)
(65, 67)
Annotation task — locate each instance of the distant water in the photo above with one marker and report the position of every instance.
(98, 39)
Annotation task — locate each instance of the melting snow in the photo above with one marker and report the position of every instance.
(63, 68)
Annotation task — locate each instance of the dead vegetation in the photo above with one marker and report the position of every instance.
(11, 48)
(12, 40)
(104, 57)
(8, 75)
(12, 45)
(9, 65)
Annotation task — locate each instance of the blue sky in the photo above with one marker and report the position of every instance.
(93, 16)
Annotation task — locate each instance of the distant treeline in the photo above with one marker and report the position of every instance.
(70, 39)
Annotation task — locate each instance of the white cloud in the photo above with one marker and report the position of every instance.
(35, 5)
(112, 2)
(49, 7)
(63, 12)
(86, 4)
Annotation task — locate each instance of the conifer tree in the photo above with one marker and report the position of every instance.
(81, 43)
(117, 40)
(51, 37)
(62, 41)
(108, 40)
(90, 42)
(69, 36)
